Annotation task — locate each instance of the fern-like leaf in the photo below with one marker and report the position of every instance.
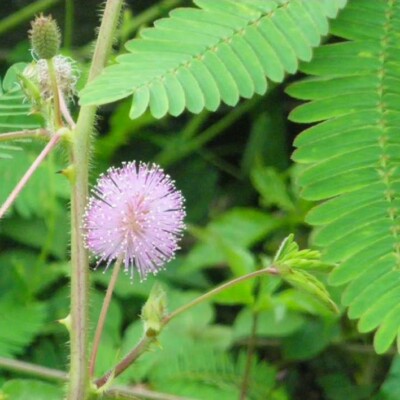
(20, 323)
(204, 373)
(14, 109)
(197, 58)
(353, 160)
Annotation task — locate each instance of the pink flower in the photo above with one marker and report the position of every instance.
(136, 215)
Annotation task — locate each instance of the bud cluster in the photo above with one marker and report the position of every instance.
(36, 81)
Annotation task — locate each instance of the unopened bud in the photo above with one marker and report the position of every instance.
(45, 37)
(154, 310)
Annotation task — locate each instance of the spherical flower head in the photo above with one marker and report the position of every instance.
(136, 215)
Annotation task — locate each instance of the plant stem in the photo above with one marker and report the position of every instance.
(80, 153)
(143, 344)
(121, 392)
(68, 23)
(117, 391)
(134, 354)
(103, 315)
(249, 361)
(25, 134)
(58, 123)
(24, 14)
(65, 111)
(217, 290)
(24, 180)
(32, 369)
(105, 38)
(193, 126)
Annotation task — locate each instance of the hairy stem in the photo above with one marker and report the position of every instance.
(217, 290)
(144, 343)
(24, 180)
(103, 315)
(65, 111)
(132, 356)
(121, 392)
(58, 123)
(25, 134)
(80, 154)
(32, 369)
(105, 38)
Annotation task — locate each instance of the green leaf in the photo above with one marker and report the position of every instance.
(20, 323)
(208, 374)
(308, 283)
(241, 262)
(271, 185)
(23, 389)
(23, 275)
(352, 160)
(311, 339)
(183, 334)
(14, 109)
(338, 386)
(41, 233)
(390, 390)
(278, 322)
(241, 227)
(303, 301)
(225, 50)
(266, 142)
(10, 80)
(293, 264)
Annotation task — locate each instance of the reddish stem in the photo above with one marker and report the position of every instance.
(24, 180)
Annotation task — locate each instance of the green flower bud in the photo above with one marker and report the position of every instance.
(154, 310)
(45, 37)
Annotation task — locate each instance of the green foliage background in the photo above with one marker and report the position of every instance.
(243, 198)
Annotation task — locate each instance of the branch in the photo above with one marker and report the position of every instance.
(117, 391)
(32, 369)
(25, 134)
(103, 313)
(143, 344)
(28, 174)
(124, 392)
(58, 123)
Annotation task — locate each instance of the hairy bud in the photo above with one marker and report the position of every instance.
(45, 37)
(154, 310)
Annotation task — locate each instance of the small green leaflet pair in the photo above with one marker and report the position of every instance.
(294, 265)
